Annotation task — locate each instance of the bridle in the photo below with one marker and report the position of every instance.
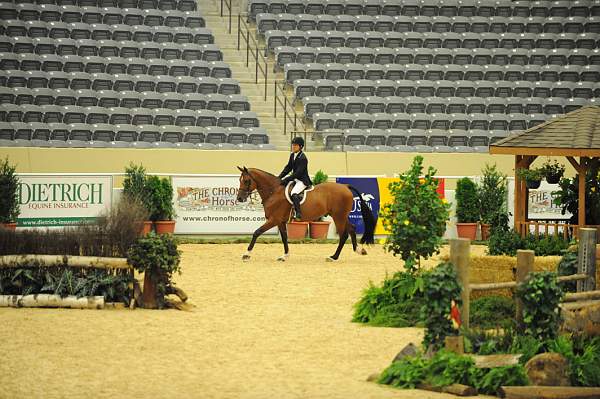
(247, 184)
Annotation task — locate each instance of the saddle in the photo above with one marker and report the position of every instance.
(303, 194)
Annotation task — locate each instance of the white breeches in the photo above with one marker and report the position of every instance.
(298, 187)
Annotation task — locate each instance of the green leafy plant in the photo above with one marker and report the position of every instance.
(134, 184)
(320, 177)
(441, 287)
(540, 294)
(492, 312)
(416, 218)
(157, 255)
(499, 376)
(446, 368)
(546, 246)
(406, 373)
(507, 242)
(492, 194)
(566, 267)
(63, 281)
(552, 171)
(9, 198)
(159, 198)
(568, 195)
(397, 303)
(467, 201)
(530, 175)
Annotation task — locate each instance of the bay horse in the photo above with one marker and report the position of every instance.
(334, 199)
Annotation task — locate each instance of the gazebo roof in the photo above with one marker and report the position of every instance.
(574, 134)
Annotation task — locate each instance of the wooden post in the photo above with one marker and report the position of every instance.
(582, 177)
(586, 259)
(459, 256)
(525, 260)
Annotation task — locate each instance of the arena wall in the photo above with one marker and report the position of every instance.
(86, 160)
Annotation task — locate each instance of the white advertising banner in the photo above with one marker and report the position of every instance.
(208, 205)
(62, 200)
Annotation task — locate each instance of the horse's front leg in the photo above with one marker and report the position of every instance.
(284, 239)
(268, 224)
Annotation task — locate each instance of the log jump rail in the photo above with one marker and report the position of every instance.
(586, 274)
(56, 301)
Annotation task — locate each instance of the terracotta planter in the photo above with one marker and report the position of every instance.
(146, 228)
(9, 226)
(485, 231)
(467, 230)
(165, 226)
(297, 230)
(318, 230)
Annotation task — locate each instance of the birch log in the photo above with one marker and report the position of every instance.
(51, 301)
(53, 260)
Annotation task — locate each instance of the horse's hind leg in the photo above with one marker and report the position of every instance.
(352, 231)
(340, 224)
(284, 238)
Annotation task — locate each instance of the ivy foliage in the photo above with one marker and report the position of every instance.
(566, 267)
(416, 218)
(440, 288)
(541, 295)
(157, 255)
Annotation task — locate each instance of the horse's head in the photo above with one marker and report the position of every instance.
(247, 185)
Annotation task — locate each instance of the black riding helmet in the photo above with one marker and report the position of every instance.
(299, 141)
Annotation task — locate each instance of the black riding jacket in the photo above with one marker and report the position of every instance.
(299, 169)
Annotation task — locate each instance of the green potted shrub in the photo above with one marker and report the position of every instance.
(9, 199)
(159, 193)
(532, 177)
(492, 198)
(467, 208)
(320, 227)
(134, 190)
(552, 171)
(158, 258)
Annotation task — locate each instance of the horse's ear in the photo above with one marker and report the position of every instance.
(246, 169)
(240, 169)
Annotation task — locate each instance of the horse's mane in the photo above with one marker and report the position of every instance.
(265, 172)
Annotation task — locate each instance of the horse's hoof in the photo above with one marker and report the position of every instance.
(283, 258)
(245, 257)
(329, 259)
(363, 251)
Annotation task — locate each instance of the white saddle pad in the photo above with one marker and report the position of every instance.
(304, 193)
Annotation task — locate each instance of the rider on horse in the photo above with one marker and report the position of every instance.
(298, 165)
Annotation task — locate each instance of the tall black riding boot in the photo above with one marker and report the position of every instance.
(296, 200)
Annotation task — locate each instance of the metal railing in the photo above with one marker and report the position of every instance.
(227, 3)
(289, 110)
(253, 49)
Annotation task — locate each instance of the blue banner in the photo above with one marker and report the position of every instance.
(369, 189)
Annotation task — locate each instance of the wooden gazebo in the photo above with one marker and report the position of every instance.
(574, 135)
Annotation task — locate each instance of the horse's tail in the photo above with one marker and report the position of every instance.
(368, 219)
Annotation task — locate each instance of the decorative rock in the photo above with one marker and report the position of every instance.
(409, 350)
(548, 369)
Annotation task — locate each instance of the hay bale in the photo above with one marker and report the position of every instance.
(496, 269)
